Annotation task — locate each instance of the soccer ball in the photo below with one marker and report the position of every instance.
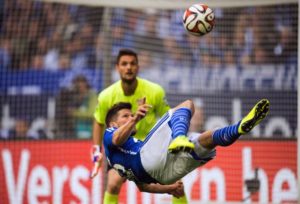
(199, 19)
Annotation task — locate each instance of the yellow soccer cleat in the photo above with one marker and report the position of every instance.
(181, 143)
(254, 117)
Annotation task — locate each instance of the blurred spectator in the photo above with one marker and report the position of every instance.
(20, 130)
(118, 30)
(64, 62)
(7, 123)
(5, 53)
(37, 62)
(51, 16)
(224, 50)
(99, 49)
(193, 44)
(176, 27)
(70, 37)
(85, 101)
(53, 51)
(147, 36)
(87, 35)
(132, 19)
(64, 124)
(243, 38)
(148, 68)
(38, 129)
(74, 109)
(66, 26)
(78, 57)
(2, 7)
(286, 49)
(174, 54)
(197, 121)
(164, 26)
(265, 35)
(35, 30)
(210, 51)
(42, 45)
(118, 38)
(229, 58)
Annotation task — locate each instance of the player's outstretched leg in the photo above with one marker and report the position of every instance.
(227, 135)
(254, 117)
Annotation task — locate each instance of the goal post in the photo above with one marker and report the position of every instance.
(298, 113)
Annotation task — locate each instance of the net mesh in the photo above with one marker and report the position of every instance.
(56, 57)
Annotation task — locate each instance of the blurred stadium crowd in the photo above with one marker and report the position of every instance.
(37, 35)
(51, 49)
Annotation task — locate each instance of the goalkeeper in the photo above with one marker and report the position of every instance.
(167, 154)
(129, 88)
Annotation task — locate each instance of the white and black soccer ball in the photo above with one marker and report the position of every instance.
(199, 19)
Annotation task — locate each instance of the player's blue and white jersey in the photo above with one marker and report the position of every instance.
(150, 161)
(126, 158)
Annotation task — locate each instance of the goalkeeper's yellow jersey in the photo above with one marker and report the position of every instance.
(155, 96)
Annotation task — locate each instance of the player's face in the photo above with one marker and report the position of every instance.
(123, 117)
(128, 68)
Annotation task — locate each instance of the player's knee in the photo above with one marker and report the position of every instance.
(190, 105)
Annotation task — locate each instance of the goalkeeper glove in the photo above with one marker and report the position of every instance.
(96, 159)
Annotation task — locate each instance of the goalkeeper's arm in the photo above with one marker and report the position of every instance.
(98, 130)
(97, 156)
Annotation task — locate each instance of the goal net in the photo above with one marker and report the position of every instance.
(57, 55)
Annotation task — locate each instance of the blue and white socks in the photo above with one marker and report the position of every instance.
(180, 122)
(227, 135)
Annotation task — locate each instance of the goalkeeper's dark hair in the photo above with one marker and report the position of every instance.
(113, 111)
(123, 52)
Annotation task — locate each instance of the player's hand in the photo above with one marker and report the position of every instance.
(96, 159)
(177, 190)
(142, 109)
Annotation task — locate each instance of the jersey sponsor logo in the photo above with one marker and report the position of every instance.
(127, 151)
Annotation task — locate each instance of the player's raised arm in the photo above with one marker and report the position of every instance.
(126, 121)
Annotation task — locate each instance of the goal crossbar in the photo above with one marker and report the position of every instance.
(172, 4)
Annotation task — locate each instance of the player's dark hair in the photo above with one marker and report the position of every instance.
(123, 52)
(113, 111)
